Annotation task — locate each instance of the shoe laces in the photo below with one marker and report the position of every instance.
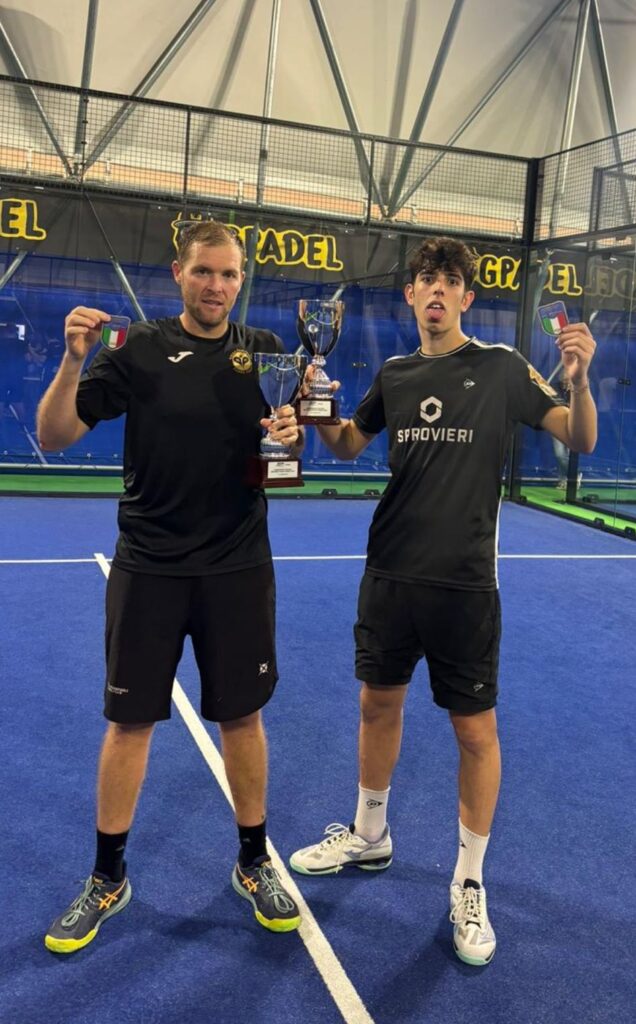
(470, 908)
(87, 900)
(274, 888)
(337, 835)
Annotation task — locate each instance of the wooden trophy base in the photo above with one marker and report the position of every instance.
(317, 411)
(285, 472)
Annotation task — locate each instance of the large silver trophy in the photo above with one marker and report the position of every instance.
(319, 324)
(279, 378)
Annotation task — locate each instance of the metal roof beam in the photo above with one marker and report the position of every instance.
(87, 68)
(404, 61)
(366, 172)
(268, 95)
(149, 79)
(477, 109)
(425, 105)
(601, 56)
(570, 108)
(18, 70)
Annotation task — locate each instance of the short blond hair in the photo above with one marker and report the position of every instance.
(207, 232)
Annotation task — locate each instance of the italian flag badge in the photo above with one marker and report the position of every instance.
(115, 332)
(553, 318)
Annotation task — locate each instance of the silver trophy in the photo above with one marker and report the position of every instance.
(319, 324)
(279, 376)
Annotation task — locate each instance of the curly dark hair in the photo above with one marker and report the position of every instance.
(207, 232)
(447, 255)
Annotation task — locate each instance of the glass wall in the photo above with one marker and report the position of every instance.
(377, 324)
(595, 283)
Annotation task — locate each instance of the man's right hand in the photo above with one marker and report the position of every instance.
(82, 329)
(310, 373)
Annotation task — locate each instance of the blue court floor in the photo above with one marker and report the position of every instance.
(372, 949)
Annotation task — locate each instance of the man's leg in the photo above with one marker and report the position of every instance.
(120, 776)
(121, 772)
(244, 748)
(380, 738)
(479, 779)
(367, 843)
(479, 768)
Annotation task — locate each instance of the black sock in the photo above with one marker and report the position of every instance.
(110, 855)
(252, 840)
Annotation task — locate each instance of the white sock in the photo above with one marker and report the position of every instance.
(370, 821)
(470, 858)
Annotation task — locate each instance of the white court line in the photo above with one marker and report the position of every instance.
(578, 557)
(43, 561)
(311, 558)
(329, 967)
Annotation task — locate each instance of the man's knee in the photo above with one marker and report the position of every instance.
(138, 733)
(249, 723)
(378, 704)
(476, 733)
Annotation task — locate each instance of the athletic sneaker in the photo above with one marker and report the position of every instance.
(473, 936)
(341, 849)
(79, 925)
(260, 884)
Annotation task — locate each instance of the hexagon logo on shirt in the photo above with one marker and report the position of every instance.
(430, 409)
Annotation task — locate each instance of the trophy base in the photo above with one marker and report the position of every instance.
(274, 472)
(317, 411)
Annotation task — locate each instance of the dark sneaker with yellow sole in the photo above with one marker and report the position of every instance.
(79, 924)
(273, 907)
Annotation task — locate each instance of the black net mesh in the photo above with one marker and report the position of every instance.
(450, 190)
(572, 186)
(154, 149)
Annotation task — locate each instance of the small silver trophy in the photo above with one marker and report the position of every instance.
(319, 324)
(279, 377)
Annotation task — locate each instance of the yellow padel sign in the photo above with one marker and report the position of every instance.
(19, 219)
(287, 248)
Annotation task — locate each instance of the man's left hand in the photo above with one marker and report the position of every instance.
(577, 347)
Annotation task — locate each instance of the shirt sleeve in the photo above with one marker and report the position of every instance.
(369, 416)
(103, 390)
(530, 397)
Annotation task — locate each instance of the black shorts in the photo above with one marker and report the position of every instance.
(231, 619)
(457, 631)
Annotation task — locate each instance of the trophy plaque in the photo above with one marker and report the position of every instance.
(319, 324)
(279, 377)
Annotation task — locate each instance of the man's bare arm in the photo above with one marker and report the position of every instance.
(345, 439)
(576, 427)
(58, 424)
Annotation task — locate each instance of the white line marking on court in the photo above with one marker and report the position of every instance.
(316, 558)
(575, 557)
(329, 967)
(43, 561)
(305, 558)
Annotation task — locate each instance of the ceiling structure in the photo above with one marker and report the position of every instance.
(521, 77)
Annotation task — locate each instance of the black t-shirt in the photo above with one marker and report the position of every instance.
(192, 410)
(449, 418)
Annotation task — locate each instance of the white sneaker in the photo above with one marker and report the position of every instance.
(473, 937)
(341, 849)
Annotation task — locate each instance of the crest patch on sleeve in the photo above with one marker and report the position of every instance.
(537, 379)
